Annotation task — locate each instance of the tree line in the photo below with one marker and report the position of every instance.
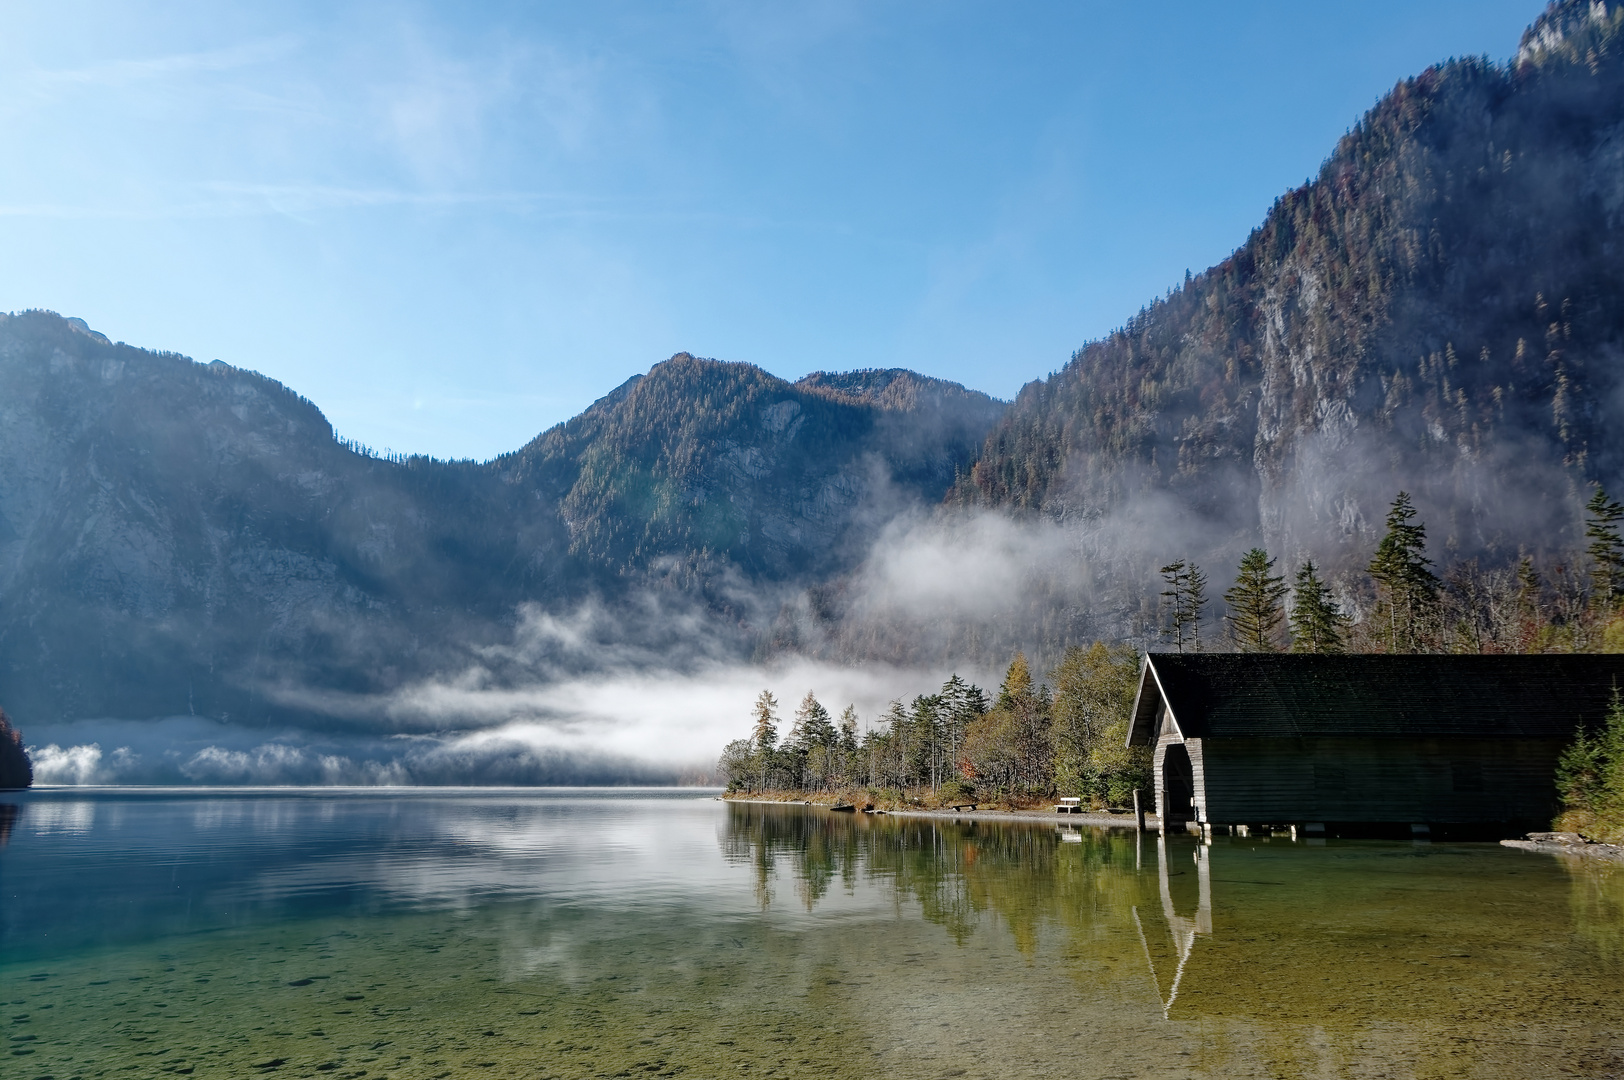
(1404, 606)
(1027, 741)
(1066, 735)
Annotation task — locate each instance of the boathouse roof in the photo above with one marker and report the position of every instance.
(1252, 695)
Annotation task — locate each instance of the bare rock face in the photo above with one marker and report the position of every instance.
(180, 538)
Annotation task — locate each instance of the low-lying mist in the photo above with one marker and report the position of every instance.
(647, 690)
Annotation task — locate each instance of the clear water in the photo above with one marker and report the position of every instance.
(612, 934)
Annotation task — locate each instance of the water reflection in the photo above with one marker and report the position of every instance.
(1182, 929)
(545, 933)
(1280, 941)
(105, 867)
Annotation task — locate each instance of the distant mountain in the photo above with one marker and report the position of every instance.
(1441, 309)
(182, 538)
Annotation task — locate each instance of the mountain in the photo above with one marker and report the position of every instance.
(180, 538)
(1440, 310)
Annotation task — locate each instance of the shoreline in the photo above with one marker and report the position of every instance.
(1114, 821)
(1572, 844)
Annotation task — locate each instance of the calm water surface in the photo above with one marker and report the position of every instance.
(585, 934)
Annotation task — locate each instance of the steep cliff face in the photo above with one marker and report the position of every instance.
(178, 537)
(1439, 311)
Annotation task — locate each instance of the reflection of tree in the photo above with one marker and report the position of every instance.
(9, 813)
(956, 872)
(1281, 953)
(1598, 904)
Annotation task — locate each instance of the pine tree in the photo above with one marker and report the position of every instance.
(926, 722)
(848, 729)
(1186, 593)
(1606, 550)
(1406, 586)
(765, 736)
(962, 704)
(1254, 603)
(1590, 777)
(813, 726)
(1529, 613)
(897, 744)
(1317, 625)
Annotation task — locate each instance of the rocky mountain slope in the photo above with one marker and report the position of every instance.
(180, 538)
(1441, 309)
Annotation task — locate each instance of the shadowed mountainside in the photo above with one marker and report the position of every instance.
(182, 538)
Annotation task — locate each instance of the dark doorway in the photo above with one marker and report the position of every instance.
(1178, 783)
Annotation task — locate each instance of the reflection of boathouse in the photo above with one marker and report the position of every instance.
(1354, 743)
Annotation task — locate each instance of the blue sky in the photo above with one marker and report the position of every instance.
(454, 225)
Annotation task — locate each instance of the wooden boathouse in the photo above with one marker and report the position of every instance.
(1364, 744)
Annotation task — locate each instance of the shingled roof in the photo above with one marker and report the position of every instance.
(1250, 695)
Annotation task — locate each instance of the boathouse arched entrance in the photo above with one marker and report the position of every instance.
(1178, 784)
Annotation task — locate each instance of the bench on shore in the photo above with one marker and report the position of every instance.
(959, 807)
(1070, 804)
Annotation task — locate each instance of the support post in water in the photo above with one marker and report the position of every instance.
(1138, 810)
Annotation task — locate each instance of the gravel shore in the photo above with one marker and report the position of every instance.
(1115, 821)
(1566, 843)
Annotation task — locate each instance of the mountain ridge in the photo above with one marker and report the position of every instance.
(179, 537)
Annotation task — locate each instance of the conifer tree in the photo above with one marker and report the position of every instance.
(1017, 686)
(16, 771)
(1606, 550)
(962, 704)
(765, 736)
(1407, 589)
(1317, 625)
(813, 727)
(1186, 595)
(926, 722)
(848, 729)
(1254, 603)
(897, 745)
(1529, 615)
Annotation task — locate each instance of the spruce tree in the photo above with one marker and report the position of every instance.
(765, 736)
(962, 704)
(813, 726)
(1254, 603)
(848, 729)
(1186, 595)
(1407, 589)
(1529, 615)
(1606, 550)
(1016, 690)
(1316, 623)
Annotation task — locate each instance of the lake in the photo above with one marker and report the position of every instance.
(586, 933)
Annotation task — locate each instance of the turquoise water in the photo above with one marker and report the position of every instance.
(370, 933)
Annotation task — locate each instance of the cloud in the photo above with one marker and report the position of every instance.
(122, 74)
(54, 764)
(974, 566)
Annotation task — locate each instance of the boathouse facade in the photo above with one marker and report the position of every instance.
(1364, 743)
